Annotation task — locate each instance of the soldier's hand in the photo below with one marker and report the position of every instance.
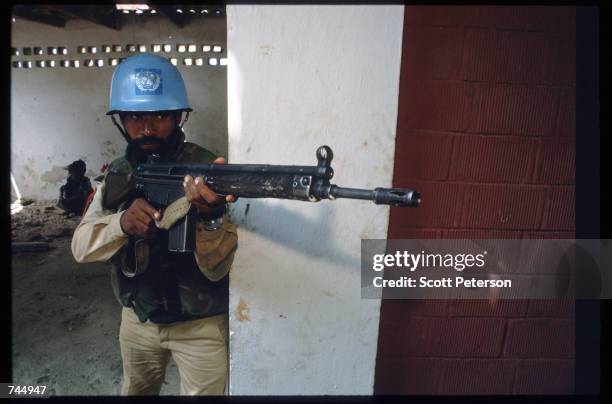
(139, 219)
(206, 201)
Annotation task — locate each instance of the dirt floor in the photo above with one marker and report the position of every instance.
(65, 323)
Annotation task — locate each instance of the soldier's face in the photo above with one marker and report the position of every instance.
(149, 130)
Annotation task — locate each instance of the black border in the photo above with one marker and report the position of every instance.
(587, 358)
(5, 187)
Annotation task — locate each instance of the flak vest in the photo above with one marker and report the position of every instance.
(173, 288)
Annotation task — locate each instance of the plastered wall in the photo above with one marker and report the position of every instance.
(300, 77)
(58, 114)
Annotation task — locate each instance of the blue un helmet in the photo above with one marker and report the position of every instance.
(147, 83)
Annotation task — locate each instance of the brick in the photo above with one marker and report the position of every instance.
(399, 232)
(549, 234)
(506, 57)
(484, 308)
(503, 207)
(474, 234)
(560, 212)
(532, 18)
(499, 17)
(552, 308)
(529, 18)
(566, 124)
(445, 337)
(555, 20)
(545, 377)
(493, 159)
(434, 104)
(412, 338)
(397, 312)
(477, 376)
(395, 375)
(540, 338)
(558, 162)
(437, 15)
(423, 156)
(440, 205)
(432, 52)
(563, 63)
(549, 257)
(515, 109)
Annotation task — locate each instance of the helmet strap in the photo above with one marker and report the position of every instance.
(121, 129)
(184, 120)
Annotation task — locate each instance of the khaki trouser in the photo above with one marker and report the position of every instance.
(199, 348)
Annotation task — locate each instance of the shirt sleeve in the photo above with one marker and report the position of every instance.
(215, 249)
(99, 235)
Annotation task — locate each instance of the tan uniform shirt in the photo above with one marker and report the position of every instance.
(99, 236)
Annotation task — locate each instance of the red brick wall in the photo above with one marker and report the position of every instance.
(486, 131)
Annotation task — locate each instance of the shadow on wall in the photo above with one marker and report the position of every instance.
(312, 237)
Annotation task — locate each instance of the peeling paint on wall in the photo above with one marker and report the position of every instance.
(56, 174)
(242, 311)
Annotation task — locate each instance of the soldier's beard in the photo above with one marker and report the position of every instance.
(165, 147)
(147, 141)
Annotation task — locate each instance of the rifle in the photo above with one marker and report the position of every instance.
(161, 184)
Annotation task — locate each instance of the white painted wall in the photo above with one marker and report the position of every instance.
(300, 77)
(58, 114)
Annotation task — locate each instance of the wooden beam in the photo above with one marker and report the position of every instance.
(180, 20)
(104, 15)
(28, 13)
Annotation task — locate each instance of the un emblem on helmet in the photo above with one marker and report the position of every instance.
(148, 81)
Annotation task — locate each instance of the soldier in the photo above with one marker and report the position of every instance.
(178, 304)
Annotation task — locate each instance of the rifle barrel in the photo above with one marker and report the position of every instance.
(387, 196)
